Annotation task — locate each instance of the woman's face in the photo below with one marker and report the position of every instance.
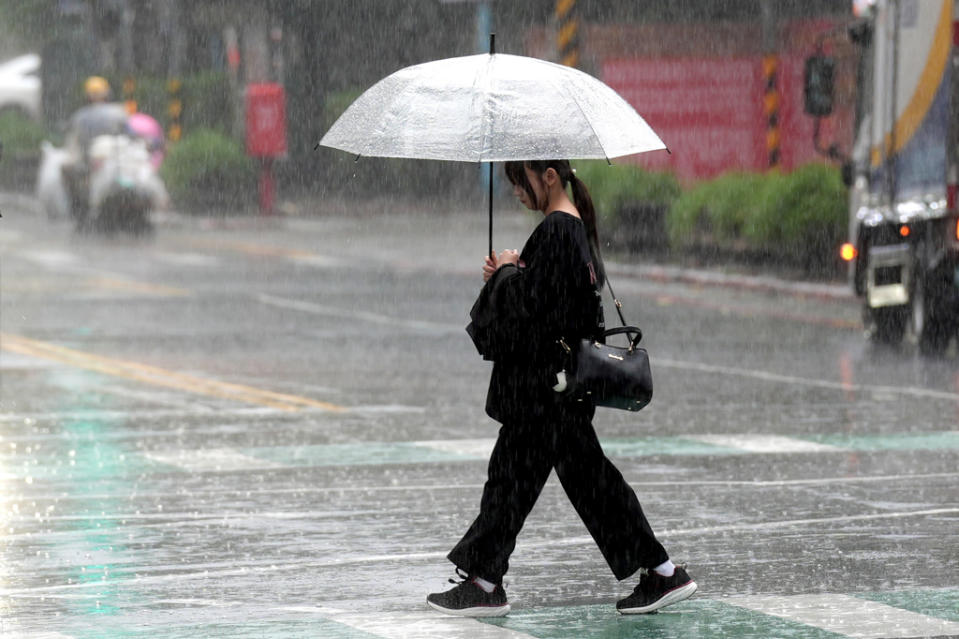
(539, 189)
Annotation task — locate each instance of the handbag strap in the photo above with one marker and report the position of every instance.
(616, 302)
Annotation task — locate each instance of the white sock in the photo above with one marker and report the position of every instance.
(487, 586)
(666, 569)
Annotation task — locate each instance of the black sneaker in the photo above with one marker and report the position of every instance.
(655, 591)
(469, 600)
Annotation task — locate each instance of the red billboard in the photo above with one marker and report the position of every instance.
(709, 112)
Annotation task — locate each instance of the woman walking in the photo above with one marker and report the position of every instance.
(530, 300)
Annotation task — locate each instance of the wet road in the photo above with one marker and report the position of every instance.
(254, 429)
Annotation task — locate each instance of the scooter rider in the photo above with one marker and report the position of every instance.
(98, 117)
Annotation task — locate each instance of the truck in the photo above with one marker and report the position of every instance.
(903, 168)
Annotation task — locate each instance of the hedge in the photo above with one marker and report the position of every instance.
(798, 217)
(615, 187)
(208, 168)
(21, 136)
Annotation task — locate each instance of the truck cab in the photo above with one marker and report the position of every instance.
(903, 244)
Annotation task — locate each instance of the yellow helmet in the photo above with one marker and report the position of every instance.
(96, 88)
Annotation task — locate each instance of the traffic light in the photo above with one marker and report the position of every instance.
(818, 92)
(107, 17)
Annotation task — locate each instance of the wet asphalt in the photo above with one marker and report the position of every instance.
(274, 427)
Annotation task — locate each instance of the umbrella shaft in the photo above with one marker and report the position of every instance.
(490, 164)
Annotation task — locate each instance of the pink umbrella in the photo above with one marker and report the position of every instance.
(143, 126)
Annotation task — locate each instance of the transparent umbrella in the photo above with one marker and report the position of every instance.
(491, 108)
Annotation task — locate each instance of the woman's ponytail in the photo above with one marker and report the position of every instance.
(584, 204)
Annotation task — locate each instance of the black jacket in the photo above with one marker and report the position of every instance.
(524, 310)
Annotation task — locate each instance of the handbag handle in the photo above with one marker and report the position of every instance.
(627, 330)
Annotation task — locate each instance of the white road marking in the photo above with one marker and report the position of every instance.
(424, 625)
(13, 633)
(816, 481)
(219, 459)
(364, 316)
(552, 483)
(187, 259)
(197, 409)
(50, 258)
(319, 261)
(387, 408)
(403, 625)
(893, 391)
(154, 397)
(10, 361)
(850, 616)
(203, 572)
(753, 443)
(468, 447)
(763, 525)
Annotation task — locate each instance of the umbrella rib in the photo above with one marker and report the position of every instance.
(567, 91)
(485, 121)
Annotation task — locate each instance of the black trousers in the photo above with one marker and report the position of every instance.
(522, 459)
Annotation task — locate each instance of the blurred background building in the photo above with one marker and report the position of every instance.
(720, 81)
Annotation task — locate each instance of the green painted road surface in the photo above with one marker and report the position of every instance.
(927, 613)
(83, 450)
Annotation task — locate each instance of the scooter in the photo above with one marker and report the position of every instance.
(124, 186)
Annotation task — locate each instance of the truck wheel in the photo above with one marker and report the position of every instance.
(932, 334)
(886, 325)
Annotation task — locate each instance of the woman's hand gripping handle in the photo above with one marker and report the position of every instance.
(493, 262)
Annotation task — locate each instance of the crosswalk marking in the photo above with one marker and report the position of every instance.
(754, 443)
(424, 625)
(849, 616)
(791, 380)
(210, 459)
(50, 258)
(187, 259)
(354, 315)
(480, 448)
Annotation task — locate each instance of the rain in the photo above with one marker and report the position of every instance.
(238, 396)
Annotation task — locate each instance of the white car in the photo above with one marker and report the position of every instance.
(20, 85)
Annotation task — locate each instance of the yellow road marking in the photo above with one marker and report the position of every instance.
(249, 248)
(160, 377)
(139, 287)
(50, 284)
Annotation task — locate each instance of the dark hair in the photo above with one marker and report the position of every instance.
(584, 203)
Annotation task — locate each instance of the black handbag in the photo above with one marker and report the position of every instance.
(611, 376)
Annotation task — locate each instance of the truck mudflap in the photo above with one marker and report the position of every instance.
(888, 274)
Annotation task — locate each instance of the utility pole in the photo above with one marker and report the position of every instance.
(567, 37)
(771, 100)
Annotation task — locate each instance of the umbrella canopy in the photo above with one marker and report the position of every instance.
(491, 108)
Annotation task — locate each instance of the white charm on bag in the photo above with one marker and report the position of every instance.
(561, 382)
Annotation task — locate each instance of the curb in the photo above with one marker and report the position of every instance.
(755, 283)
